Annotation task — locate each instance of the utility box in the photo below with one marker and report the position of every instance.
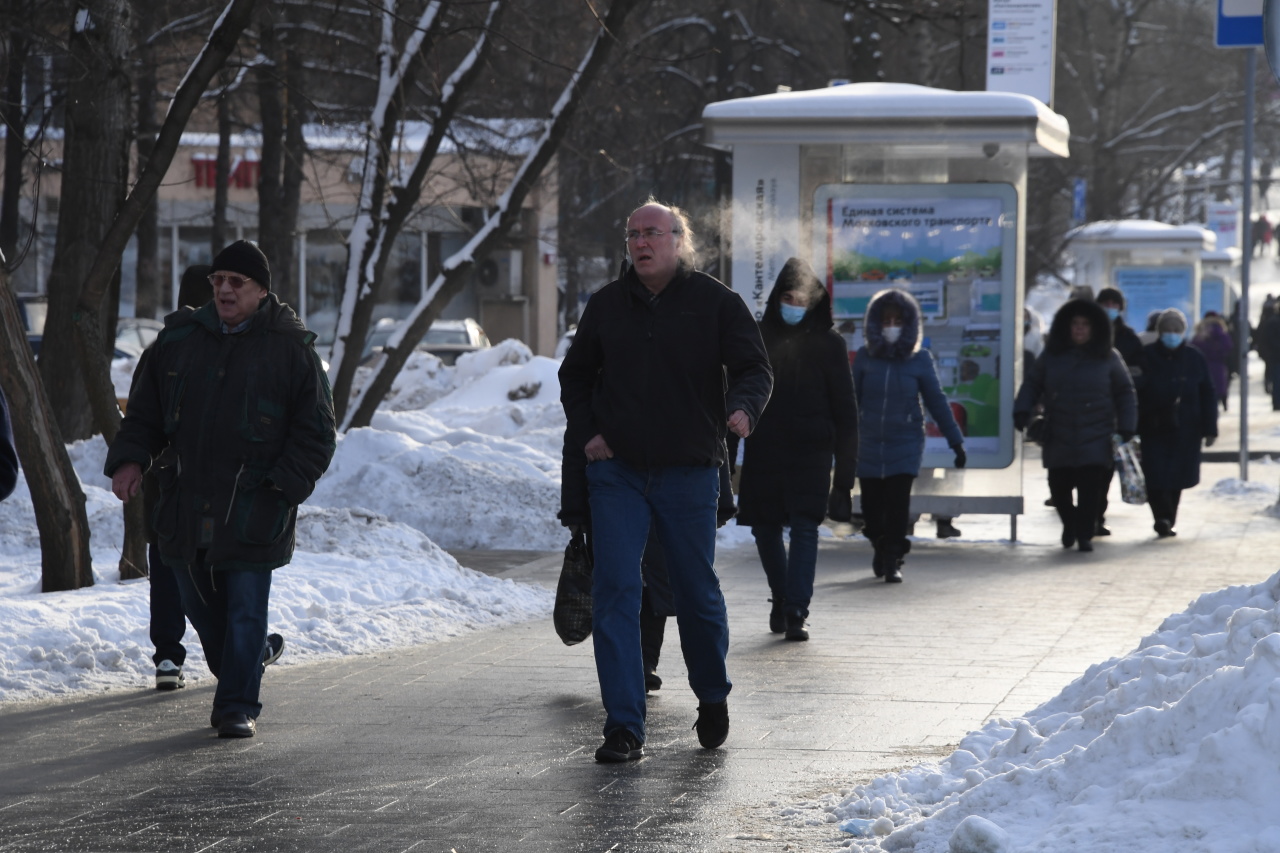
(893, 185)
(1155, 265)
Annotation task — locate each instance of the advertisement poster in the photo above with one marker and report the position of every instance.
(953, 247)
(1148, 289)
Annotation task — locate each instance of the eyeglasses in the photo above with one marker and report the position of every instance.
(236, 281)
(649, 235)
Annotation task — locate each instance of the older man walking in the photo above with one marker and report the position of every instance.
(236, 390)
(665, 360)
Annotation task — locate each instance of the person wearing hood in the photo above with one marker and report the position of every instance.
(1177, 408)
(1129, 345)
(1215, 344)
(1088, 396)
(235, 390)
(891, 376)
(811, 418)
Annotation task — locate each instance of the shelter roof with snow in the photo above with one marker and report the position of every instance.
(887, 113)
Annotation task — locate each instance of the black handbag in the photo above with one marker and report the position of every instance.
(572, 613)
(1038, 429)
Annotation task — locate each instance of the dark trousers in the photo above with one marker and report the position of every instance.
(1164, 503)
(1078, 511)
(790, 573)
(168, 619)
(1104, 493)
(886, 506)
(228, 609)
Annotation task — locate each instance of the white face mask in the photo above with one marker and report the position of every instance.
(891, 333)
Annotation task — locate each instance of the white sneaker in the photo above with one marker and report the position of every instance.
(169, 676)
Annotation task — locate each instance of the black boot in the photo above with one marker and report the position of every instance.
(893, 561)
(777, 615)
(652, 628)
(796, 628)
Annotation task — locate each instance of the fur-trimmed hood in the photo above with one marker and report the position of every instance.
(909, 342)
(1100, 341)
(796, 274)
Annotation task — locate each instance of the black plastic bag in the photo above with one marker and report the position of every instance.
(572, 614)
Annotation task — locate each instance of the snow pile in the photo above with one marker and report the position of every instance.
(1174, 744)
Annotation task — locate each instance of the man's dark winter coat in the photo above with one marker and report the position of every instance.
(1087, 392)
(658, 377)
(8, 455)
(250, 420)
(1177, 407)
(1127, 343)
(811, 416)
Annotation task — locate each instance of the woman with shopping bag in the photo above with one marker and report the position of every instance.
(1177, 407)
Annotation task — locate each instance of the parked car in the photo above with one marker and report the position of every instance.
(445, 339)
(134, 334)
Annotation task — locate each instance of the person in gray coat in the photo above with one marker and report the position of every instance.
(1088, 395)
(891, 375)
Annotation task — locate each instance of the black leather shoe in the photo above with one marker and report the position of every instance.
(894, 575)
(1085, 545)
(1101, 530)
(215, 718)
(877, 563)
(236, 725)
(652, 681)
(796, 628)
(1068, 538)
(946, 530)
(712, 724)
(1164, 528)
(620, 746)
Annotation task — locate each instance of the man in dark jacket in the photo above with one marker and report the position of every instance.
(665, 359)
(8, 455)
(1129, 345)
(236, 390)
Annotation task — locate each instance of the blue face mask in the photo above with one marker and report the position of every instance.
(792, 314)
(1171, 339)
(1112, 314)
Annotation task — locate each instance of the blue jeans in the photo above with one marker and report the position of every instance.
(168, 621)
(681, 501)
(790, 575)
(228, 609)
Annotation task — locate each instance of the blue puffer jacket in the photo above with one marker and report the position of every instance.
(890, 380)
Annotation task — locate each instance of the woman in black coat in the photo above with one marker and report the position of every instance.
(1088, 395)
(1177, 408)
(786, 467)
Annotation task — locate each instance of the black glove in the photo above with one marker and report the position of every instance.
(1126, 435)
(1209, 440)
(1020, 420)
(725, 513)
(961, 457)
(840, 505)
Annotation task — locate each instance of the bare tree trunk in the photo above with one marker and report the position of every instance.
(94, 178)
(295, 152)
(275, 227)
(148, 297)
(12, 118)
(55, 489)
(222, 177)
(453, 278)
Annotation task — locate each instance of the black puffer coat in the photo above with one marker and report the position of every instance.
(1086, 390)
(786, 468)
(249, 419)
(1177, 407)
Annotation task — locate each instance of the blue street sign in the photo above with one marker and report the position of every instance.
(1239, 23)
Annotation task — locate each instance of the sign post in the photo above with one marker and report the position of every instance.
(1020, 47)
(1240, 24)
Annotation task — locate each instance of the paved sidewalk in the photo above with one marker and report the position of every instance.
(485, 743)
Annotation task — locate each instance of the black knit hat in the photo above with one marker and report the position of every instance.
(194, 289)
(246, 258)
(1110, 294)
